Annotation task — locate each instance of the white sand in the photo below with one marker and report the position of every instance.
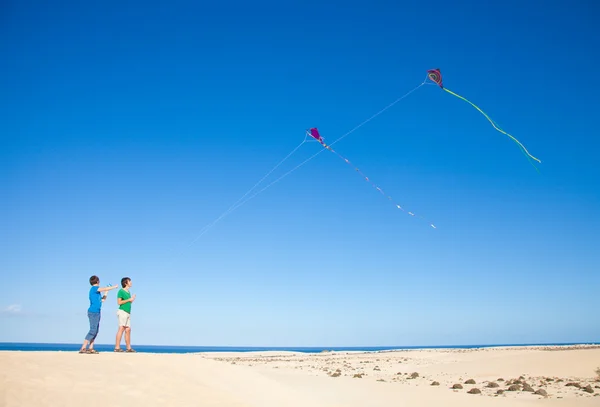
(293, 379)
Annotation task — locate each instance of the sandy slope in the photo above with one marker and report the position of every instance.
(288, 379)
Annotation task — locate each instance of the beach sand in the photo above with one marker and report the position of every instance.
(329, 379)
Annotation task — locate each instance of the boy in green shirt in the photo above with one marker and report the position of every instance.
(124, 299)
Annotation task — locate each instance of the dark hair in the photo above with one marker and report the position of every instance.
(94, 280)
(124, 281)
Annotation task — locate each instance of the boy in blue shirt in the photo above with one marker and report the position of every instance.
(94, 313)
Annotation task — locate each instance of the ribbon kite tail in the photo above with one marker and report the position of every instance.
(492, 122)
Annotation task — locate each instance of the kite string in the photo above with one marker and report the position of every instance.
(380, 112)
(239, 204)
(273, 169)
(339, 139)
(232, 207)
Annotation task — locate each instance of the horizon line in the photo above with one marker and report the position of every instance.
(391, 347)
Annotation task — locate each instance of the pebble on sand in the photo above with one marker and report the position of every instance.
(474, 390)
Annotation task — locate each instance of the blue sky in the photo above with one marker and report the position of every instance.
(125, 128)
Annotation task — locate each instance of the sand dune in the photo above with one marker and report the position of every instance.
(291, 379)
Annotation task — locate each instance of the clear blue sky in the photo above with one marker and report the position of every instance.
(126, 127)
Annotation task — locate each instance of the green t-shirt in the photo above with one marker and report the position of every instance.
(125, 295)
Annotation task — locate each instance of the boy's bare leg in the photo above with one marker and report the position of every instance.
(128, 337)
(119, 337)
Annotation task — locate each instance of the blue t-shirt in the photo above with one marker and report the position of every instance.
(95, 299)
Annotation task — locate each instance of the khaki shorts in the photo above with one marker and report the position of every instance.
(124, 318)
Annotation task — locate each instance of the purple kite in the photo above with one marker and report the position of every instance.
(436, 76)
(315, 134)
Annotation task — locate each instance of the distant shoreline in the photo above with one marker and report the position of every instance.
(67, 347)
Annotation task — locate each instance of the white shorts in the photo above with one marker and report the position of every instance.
(124, 318)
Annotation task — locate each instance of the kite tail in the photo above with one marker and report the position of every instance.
(493, 124)
(328, 147)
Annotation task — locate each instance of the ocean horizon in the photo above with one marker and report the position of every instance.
(73, 347)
